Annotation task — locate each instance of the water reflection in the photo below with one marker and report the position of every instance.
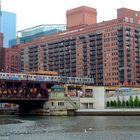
(70, 128)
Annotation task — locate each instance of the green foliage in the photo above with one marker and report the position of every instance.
(136, 102)
(115, 103)
(131, 102)
(139, 104)
(111, 103)
(119, 104)
(127, 103)
(123, 103)
(108, 104)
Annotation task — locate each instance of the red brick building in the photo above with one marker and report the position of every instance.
(81, 16)
(11, 59)
(108, 51)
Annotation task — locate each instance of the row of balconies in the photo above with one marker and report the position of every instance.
(33, 55)
(33, 47)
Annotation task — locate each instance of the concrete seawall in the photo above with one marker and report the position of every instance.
(8, 111)
(108, 112)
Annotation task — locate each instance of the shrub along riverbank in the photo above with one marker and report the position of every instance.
(130, 103)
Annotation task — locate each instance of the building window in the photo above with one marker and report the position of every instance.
(126, 19)
(131, 20)
(60, 103)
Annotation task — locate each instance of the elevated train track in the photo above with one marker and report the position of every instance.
(45, 78)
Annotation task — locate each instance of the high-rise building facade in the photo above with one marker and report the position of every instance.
(8, 28)
(108, 51)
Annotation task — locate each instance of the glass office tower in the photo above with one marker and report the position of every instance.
(27, 35)
(8, 28)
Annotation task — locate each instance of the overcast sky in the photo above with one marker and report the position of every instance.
(35, 12)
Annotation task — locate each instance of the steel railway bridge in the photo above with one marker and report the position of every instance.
(28, 94)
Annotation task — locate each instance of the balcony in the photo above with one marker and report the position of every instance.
(73, 60)
(122, 79)
(92, 44)
(61, 63)
(72, 43)
(91, 35)
(136, 41)
(73, 66)
(121, 54)
(92, 39)
(121, 64)
(93, 59)
(82, 37)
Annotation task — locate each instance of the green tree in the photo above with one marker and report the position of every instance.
(136, 102)
(111, 103)
(115, 103)
(127, 103)
(139, 104)
(108, 104)
(119, 103)
(131, 102)
(123, 103)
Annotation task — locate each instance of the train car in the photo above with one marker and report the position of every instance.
(3, 75)
(71, 79)
(10, 76)
(47, 78)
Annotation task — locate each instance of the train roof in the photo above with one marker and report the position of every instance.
(51, 73)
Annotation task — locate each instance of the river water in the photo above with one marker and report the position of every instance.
(70, 128)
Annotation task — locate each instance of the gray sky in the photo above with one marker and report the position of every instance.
(35, 12)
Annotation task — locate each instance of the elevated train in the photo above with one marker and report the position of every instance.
(46, 78)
